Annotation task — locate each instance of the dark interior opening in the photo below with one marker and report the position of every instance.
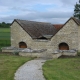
(63, 46)
(22, 45)
(43, 38)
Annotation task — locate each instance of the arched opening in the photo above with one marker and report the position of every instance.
(22, 45)
(63, 46)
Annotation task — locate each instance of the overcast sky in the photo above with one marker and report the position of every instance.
(53, 11)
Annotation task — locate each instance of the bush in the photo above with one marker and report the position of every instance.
(78, 53)
(16, 53)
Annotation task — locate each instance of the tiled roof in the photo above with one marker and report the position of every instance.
(58, 26)
(37, 29)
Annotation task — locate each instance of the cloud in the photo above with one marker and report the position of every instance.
(41, 16)
(69, 2)
(54, 11)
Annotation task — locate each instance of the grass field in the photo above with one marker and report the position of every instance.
(9, 64)
(4, 29)
(62, 69)
(5, 37)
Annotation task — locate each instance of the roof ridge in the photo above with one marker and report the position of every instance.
(33, 21)
(76, 20)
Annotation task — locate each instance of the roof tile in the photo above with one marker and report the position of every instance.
(37, 29)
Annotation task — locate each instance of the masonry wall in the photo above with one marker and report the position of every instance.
(68, 34)
(79, 38)
(19, 35)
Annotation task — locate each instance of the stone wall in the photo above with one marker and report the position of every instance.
(79, 38)
(46, 55)
(19, 35)
(68, 34)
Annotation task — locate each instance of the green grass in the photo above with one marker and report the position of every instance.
(9, 64)
(62, 69)
(4, 33)
(4, 37)
(4, 29)
(5, 43)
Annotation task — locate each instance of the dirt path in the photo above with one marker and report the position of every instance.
(32, 70)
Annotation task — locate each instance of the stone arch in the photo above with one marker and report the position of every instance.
(22, 45)
(63, 46)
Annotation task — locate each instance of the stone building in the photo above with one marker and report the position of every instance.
(40, 35)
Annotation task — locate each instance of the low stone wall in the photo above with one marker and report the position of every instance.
(11, 49)
(5, 50)
(57, 55)
(28, 54)
(43, 53)
(69, 54)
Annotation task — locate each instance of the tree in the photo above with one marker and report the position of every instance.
(77, 10)
(4, 25)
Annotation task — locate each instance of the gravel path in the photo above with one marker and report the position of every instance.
(32, 70)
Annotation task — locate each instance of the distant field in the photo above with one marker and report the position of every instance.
(4, 37)
(4, 29)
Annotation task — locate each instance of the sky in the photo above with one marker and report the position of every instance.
(53, 11)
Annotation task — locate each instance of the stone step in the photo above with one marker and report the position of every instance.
(56, 55)
(46, 56)
(50, 55)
